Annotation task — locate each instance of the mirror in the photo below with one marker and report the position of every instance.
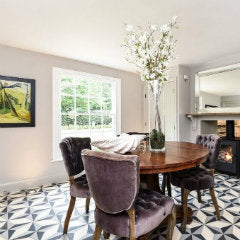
(218, 90)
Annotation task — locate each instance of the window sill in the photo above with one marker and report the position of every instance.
(57, 160)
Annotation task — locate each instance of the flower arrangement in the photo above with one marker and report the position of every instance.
(151, 52)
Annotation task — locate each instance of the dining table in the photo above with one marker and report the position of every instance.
(177, 156)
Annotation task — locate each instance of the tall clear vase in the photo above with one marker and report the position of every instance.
(156, 129)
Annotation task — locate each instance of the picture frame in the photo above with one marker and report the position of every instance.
(17, 102)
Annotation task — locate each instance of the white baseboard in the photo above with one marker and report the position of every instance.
(31, 183)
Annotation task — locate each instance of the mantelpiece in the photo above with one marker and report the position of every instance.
(198, 117)
(191, 115)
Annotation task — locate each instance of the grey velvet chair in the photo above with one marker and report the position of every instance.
(71, 151)
(199, 178)
(121, 209)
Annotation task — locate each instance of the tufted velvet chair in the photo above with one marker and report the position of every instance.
(121, 209)
(198, 178)
(71, 149)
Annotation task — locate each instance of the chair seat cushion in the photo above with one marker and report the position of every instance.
(151, 208)
(80, 188)
(192, 179)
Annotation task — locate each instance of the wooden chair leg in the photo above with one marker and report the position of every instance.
(171, 223)
(199, 196)
(87, 205)
(69, 213)
(97, 233)
(131, 214)
(184, 205)
(106, 235)
(215, 203)
(144, 237)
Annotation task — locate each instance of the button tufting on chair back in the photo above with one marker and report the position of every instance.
(113, 179)
(213, 143)
(71, 149)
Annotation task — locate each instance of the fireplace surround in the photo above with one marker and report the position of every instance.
(216, 123)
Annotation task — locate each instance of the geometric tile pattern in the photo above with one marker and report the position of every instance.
(40, 213)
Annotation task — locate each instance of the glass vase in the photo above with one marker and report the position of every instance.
(156, 129)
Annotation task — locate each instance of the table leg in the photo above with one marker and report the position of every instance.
(151, 181)
(166, 181)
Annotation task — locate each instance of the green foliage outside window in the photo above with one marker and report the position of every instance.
(94, 96)
(106, 90)
(82, 122)
(95, 88)
(81, 105)
(95, 121)
(67, 122)
(82, 87)
(67, 104)
(95, 105)
(66, 81)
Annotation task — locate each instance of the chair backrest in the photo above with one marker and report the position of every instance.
(213, 143)
(71, 149)
(113, 179)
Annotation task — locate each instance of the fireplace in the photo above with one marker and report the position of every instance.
(228, 161)
(229, 155)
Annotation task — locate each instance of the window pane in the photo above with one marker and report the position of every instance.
(82, 122)
(82, 105)
(66, 81)
(95, 121)
(95, 88)
(107, 105)
(81, 87)
(67, 89)
(95, 105)
(67, 122)
(67, 104)
(106, 90)
(107, 122)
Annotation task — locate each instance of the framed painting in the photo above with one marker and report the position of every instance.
(17, 102)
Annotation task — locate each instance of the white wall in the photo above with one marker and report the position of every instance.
(209, 99)
(26, 153)
(230, 101)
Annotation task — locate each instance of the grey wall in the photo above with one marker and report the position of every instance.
(26, 153)
(184, 103)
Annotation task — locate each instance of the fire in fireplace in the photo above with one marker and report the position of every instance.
(226, 154)
(229, 157)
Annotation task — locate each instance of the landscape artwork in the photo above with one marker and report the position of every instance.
(17, 102)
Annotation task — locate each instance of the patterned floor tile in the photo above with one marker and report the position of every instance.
(39, 214)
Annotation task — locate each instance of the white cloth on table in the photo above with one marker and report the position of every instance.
(122, 144)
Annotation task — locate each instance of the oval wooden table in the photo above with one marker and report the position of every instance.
(177, 156)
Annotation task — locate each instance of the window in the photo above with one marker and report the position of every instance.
(84, 105)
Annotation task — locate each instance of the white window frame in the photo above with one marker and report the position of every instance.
(58, 74)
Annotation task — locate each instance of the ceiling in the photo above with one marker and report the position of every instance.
(222, 84)
(93, 30)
